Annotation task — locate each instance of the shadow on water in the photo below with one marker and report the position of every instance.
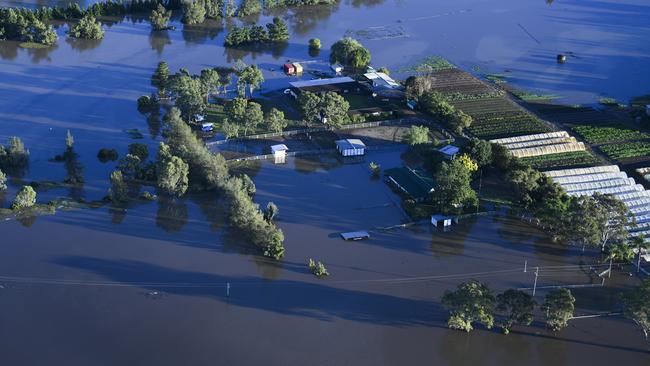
(276, 49)
(81, 45)
(198, 34)
(158, 40)
(286, 297)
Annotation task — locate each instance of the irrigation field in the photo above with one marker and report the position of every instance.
(456, 82)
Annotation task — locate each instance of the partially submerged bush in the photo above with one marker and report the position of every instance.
(25, 198)
(318, 268)
(105, 155)
(87, 28)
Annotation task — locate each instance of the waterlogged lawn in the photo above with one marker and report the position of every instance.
(600, 135)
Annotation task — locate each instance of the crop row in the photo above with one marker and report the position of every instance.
(516, 124)
(626, 150)
(561, 160)
(599, 135)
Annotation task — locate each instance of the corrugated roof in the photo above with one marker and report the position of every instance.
(416, 184)
(321, 82)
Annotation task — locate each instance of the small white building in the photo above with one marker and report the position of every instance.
(446, 221)
(337, 68)
(351, 147)
(279, 151)
(449, 152)
(207, 127)
(199, 117)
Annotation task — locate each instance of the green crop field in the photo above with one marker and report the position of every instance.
(561, 160)
(626, 150)
(600, 135)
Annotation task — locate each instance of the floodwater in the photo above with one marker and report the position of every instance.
(149, 285)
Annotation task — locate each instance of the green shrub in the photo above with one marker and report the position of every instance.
(25, 198)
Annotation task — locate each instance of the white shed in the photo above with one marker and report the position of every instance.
(279, 151)
(351, 147)
(207, 127)
(337, 68)
(449, 152)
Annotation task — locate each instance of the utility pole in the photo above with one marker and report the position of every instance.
(535, 285)
(228, 289)
(480, 183)
(525, 265)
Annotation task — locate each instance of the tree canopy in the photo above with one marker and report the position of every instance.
(559, 306)
(349, 52)
(472, 302)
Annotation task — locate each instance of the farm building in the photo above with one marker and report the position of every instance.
(380, 80)
(351, 147)
(355, 235)
(541, 144)
(445, 221)
(449, 152)
(337, 68)
(339, 85)
(413, 183)
(608, 180)
(279, 151)
(297, 68)
(288, 68)
(207, 127)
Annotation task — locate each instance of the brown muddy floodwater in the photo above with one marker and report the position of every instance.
(149, 286)
(86, 287)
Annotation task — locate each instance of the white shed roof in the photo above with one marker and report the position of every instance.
(279, 147)
(350, 144)
(321, 82)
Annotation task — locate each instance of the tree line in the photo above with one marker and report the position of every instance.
(473, 302)
(277, 31)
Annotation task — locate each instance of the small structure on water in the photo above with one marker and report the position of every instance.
(355, 235)
(279, 152)
(337, 68)
(207, 127)
(351, 147)
(413, 183)
(561, 58)
(288, 69)
(442, 220)
(449, 152)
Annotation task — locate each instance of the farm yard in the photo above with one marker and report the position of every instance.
(457, 84)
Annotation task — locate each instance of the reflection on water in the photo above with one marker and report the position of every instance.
(158, 40)
(199, 34)
(81, 45)
(276, 49)
(172, 214)
(305, 19)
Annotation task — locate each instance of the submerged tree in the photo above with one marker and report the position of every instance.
(25, 198)
(159, 18)
(160, 77)
(193, 12)
(3, 181)
(454, 190)
(559, 306)
(472, 302)
(636, 304)
(349, 52)
(87, 28)
(119, 191)
(516, 307)
(271, 212)
(173, 176)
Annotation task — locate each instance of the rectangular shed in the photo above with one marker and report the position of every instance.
(351, 147)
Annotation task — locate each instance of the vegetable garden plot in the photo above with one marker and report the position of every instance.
(626, 150)
(455, 81)
(500, 125)
(599, 135)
